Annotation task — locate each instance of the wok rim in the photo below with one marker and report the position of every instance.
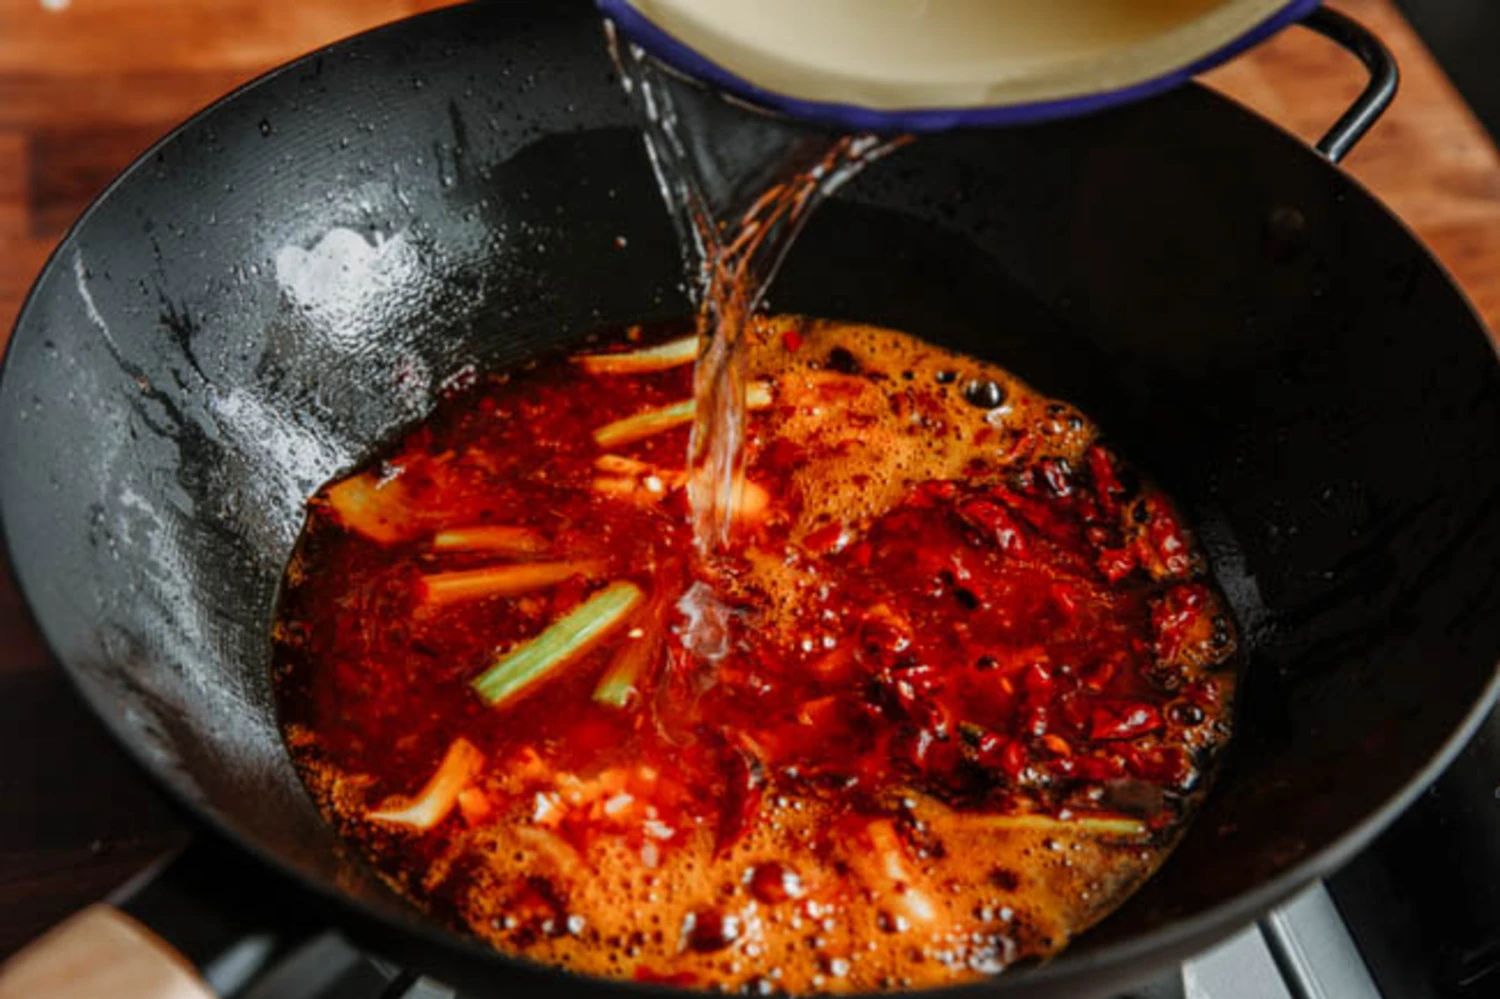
(1193, 933)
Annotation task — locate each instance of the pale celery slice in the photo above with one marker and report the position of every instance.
(620, 685)
(506, 580)
(618, 464)
(654, 421)
(565, 640)
(671, 354)
(499, 538)
(376, 507)
(432, 804)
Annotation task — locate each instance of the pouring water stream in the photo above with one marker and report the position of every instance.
(739, 185)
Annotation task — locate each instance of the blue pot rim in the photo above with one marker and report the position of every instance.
(852, 117)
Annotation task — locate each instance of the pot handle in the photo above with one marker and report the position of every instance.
(1385, 78)
(200, 924)
(100, 951)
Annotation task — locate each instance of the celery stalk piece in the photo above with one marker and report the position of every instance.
(671, 354)
(370, 505)
(498, 538)
(565, 640)
(645, 424)
(432, 804)
(618, 464)
(620, 685)
(654, 421)
(506, 580)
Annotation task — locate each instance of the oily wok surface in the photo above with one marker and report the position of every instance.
(287, 281)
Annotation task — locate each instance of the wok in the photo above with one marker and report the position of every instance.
(284, 282)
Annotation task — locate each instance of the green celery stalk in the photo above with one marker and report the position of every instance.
(658, 358)
(621, 682)
(565, 640)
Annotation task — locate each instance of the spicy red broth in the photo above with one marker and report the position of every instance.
(971, 688)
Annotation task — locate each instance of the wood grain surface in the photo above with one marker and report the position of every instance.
(100, 952)
(85, 85)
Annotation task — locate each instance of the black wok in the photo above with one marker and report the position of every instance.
(279, 286)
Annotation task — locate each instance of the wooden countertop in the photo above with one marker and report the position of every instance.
(86, 86)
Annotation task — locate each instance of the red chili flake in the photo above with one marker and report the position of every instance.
(915, 693)
(989, 748)
(996, 524)
(1066, 598)
(943, 756)
(832, 665)
(1087, 509)
(1014, 760)
(1043, 516)
(1167, 765)
(881, 639)
(1165, 539)
(860, 554)
(930, 493)
(1038, 682)
(923, 679)
(1073, 712)
(1106, 479)
(1094, 768)
(914, 745)
(1122, 720)
(1180, 612)
(791, 340)
(1116, 563)
(1099, 677)
(822, 713)
(1024, 442)
(1057, 745)
(1058, 476)
(1005, 755)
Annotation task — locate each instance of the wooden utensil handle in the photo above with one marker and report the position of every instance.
(100, 952)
